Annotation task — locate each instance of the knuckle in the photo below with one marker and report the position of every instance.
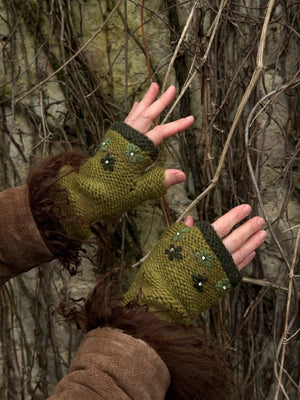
(147, 115)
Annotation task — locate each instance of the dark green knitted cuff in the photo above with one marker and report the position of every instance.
(217, 246)
(134, 136)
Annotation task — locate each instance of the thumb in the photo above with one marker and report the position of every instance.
(173, 176)
(189, 221)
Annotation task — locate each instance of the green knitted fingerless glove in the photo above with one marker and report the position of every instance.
(115, 180)
(184, 274)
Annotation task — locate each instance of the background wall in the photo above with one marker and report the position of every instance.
(68, 69)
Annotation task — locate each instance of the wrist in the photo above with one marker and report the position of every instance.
(46, 207)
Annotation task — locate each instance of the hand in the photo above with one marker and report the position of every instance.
(242, 241)
(143, 114)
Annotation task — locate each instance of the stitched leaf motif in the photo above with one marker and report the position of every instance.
(180, 234)
(199, 281)
(204, 258)
(174, 252)
(108, 162)
(105, 144)
(132, 152)
(223, 286)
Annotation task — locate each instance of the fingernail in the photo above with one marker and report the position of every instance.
(189, 118)
(247, 209)
(173, 177)
(189, 221)
(260, 221)
(153, 85)
(178, 177)
(171, 88)
(263, 235)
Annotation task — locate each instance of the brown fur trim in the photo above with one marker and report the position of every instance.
(45, 209)
(197, 367)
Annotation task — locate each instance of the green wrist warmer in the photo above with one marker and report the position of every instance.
(115, 180)
(184, 274)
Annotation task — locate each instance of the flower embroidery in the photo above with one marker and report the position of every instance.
(131, 152)
(223, 286)
(180, 234)
(105, 144)
(174, 252)
(108, 163)
(204, 258)
(199, 281)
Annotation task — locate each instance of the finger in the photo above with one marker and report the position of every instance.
(237, 238)
(161, 132)
(241, 255)
(173, 176)
(148, 99)
(189, 221)
(155, 109)
(132, 111)
(136, 118)
(224, 224)
(146, 112)
(149, 96)
(246, 261)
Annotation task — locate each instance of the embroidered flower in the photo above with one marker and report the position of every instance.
(223, 286)
(174, 252)
(204, 258)
(180, 234)
(131, 152)
(108, 162)
(105, 144)
(199, 281)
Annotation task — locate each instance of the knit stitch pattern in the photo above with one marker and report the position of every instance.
(119, 177)
(183, 275)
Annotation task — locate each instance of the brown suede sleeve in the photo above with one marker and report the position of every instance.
(21, 245)
(112, 365)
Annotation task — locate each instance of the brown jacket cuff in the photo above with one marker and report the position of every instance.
(112, 365)
(46, 209)
(21, 245)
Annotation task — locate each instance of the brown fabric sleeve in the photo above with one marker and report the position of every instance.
(112, 365)
(21, 245)
(198, 367)
(46, 207)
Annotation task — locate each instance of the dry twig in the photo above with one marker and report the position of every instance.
(255, 77)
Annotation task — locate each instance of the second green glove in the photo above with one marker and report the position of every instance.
(185, 274)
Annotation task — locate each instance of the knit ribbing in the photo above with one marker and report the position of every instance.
(134, 136)
(218, 248)
(183, 275)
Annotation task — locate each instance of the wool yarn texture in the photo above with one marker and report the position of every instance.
(119, 177)
(185, 274)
